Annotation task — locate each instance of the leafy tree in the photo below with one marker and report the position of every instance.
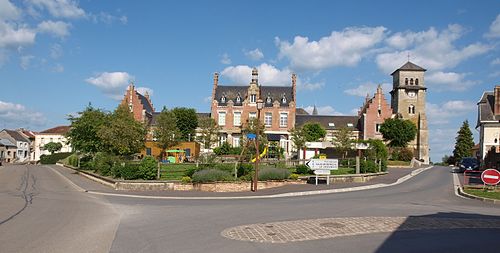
(254, 126)
(463, 142)
(313, 132)
(342, 140)
(83, 134)
(52, 147)
(398, 131)
(122, 135)
(166, 132)
(209, 131)
(298, 138)
(187, 122)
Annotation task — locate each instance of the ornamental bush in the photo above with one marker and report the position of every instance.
(273, 174)
(368, 166)
(294, 176)
(130, 171)
(148, 168)
(211, 175)
(245, 169)
(54, 158)
(302, 169)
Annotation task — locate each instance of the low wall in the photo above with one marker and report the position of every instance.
(356, 178)
(208, 187)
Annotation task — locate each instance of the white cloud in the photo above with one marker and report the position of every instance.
(107, 18)
(16, 115)
(58, 29)
(449, 81)
(26, 61)
(441, 142)
(9, 11)
(143, 90)
(14, 36)
(58, 68)
(111, 83)
(255, 54)
(368, 88)
(431, 49)
(494, 31)
(323, 110)
(440, 114)
(306, 85)
(60, 8)
(496, 61)
(268, 75)
(344, 48)
(225, 59)
(56, 51)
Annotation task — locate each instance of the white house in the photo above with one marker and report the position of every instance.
(57, 135)
(488, 121)
(22, 153)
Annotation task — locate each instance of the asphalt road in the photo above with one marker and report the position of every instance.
(420, 215)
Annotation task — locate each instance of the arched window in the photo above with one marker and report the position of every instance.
(283, 99)
(269, 100)
(223, 98)
(416, 81)
(411, 109)
(406, 81)
(411, 81)
(238, 99)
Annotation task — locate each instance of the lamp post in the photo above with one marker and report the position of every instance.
(260, 105)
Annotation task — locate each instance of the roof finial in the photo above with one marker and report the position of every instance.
(408, 56)
(315, 110)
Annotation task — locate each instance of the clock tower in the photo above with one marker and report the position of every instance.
(408, 102)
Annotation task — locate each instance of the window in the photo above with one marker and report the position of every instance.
(331, 124)
(238, 99)
(411, 81)
(269, 100)
(222, 139)
(236, 141)
(252, 115)
(237, 119)
(379, 112)
(411, 109)
(283, 119)
(283, 99)
(148, 151)
(377, 127)
(222, 118)
(268, 119)
(350, 125)
(223, 99)
(253, 98)
(416, 81)
(406, 81)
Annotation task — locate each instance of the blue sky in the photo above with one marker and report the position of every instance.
(56, 56)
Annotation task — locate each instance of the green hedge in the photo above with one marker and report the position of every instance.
(274, 174)
(54, 158)
(211, 175)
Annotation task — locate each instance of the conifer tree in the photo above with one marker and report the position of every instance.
(464, 142)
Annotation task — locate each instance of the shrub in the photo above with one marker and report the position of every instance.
(103, 162)
(116, 170)
(54, 158)
(244, 169)
(148, 168)
(405, 154)
(273, 174)
(294, 176)
(210, 175)
(186, 180)
(302, 169)
(130, 171)
(368, 166)
(189, 172)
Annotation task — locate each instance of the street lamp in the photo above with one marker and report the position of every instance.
(260, 105)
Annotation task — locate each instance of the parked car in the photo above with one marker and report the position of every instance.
(468, 163)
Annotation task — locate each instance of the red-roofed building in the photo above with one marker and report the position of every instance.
(55, 134)
(140, 105)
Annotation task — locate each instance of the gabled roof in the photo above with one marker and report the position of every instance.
(328, 122)
(409, 66)
(274, 92)
(16, 135)
(6, 143)
(486, 108)
(145, 102)
(56, 130)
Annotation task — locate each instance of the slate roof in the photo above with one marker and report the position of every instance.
(326, 120)
(273, 92)
(6, 143)
(301, 111)
(409, 66)
(16, 135)
(56, 130)
(145, 103)
(486, 108)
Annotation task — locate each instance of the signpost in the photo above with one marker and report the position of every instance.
(322, 167)
(490, 177)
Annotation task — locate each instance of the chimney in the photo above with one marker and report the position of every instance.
(294, 87)
(216, 82)
(255, 76)
(497, 100)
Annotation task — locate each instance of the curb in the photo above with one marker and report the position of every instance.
(470, 196)
(281, 195)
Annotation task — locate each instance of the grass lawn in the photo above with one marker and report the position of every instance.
(398, 163)
(174, 171)
(481, 193)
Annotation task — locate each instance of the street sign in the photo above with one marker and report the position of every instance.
(323, 164)
(251, 136)
(490, 177)
(321, 172)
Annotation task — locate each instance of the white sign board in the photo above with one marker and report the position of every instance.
(323, 164)
(321, 172)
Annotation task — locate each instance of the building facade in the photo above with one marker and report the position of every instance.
(372, 114)
(22, 153)
(408, 102)
(7, 151)
(233, 106)
(57, 135)
(140, 105)
(488, 121)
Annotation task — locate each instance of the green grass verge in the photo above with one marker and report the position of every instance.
(398, 163)
(482, 193)
(174, 171)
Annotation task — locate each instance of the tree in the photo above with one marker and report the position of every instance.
(342, 140)
(122, 135)
(83, 133)
(463, 142)
(52, 147)
(398, 131)
(378, 152)
(313, 132)
(166, 132)
(209, 132)
(187, 122)
(298, 138)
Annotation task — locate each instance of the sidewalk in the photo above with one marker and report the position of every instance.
(94, 187)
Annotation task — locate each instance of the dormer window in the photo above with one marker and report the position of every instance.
(283, 99)
(411, 81)
(223, 99)
(238, 99)
(268, 99)
(416, 81)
